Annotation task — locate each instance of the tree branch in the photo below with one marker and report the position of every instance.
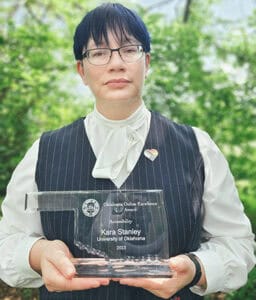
(187, 11)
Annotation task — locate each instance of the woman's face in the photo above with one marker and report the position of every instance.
(118, 81)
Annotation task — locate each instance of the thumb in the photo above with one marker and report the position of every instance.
(63, 263)
(59, 256)
(178, 263)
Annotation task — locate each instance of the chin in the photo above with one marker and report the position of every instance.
(123, 100)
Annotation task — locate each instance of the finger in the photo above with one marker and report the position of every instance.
(62, 263)
(150, 284)
(161, 294)
(53, 279)
(73, 284)
(159, 287)
(56, 282)
(103, 281)
(82, 284)
(178, 263)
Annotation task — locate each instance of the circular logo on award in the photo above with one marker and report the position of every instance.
(90, 207)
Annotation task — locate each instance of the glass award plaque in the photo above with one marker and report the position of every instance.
(126, 230)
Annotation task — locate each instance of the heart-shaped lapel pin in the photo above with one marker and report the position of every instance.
(151, 154)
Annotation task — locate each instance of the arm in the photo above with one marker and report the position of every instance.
(230, 244)
(19, 230)
(52, 260)
(27, 259)
(183, 273)
(227, 257)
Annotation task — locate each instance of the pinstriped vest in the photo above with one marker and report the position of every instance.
(65, 162)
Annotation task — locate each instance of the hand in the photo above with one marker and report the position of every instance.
(52, 260)
(183, 273)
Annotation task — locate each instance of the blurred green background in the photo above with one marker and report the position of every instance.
(199, 76)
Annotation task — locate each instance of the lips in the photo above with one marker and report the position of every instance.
(118, 81)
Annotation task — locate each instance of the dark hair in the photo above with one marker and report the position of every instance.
(112, 17)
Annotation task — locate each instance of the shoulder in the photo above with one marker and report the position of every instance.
(180, 132)
(61, 138)
(213, 157)
(170, 123)
(205, 142)
(69, 128)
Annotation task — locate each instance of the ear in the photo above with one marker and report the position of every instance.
(81, 71)
(147, 63)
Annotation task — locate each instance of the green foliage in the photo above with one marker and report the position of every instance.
(29, 294)
(209, 82)
(35, 89)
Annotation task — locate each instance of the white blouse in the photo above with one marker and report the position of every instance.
(117, 145)
(227, 257)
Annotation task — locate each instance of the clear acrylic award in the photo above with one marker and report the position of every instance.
(126, 230)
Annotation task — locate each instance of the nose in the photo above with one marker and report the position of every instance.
(116, 60)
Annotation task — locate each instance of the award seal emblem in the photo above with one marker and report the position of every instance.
(90, 207)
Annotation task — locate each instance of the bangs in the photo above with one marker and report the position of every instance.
(120, 30)
(124, 24)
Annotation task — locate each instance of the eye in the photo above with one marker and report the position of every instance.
(98, 53)
(130, 49)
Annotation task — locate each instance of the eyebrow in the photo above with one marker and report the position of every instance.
(104, 44)
(122, 39)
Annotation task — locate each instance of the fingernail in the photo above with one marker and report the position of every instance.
(95, 285)
(70, 271)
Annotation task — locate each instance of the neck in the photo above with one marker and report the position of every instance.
(117, 111)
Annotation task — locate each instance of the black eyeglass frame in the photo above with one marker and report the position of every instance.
(85, 54)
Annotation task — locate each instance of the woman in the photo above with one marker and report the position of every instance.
(108, 150)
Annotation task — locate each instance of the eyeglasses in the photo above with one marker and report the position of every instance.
(102, 56)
